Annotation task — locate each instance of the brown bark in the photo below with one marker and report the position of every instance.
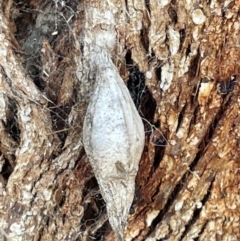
(177, 59)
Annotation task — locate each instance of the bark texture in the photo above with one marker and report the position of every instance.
(180, 61)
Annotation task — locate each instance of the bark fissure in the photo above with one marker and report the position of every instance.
(196, 213)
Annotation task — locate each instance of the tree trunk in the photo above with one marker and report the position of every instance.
(179, 60)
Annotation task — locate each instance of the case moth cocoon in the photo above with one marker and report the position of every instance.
(113, 137)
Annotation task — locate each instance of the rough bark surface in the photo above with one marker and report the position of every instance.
(180, 61)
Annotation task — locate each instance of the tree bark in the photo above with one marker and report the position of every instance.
(179, 60)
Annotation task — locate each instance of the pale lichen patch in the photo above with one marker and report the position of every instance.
(198, 16)
(151, 216)
(204, 92)
(149, 74)
(167, 76)
(163, 3)
(174, 40)
(17, 228)
(193, 140)
(178, 206)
